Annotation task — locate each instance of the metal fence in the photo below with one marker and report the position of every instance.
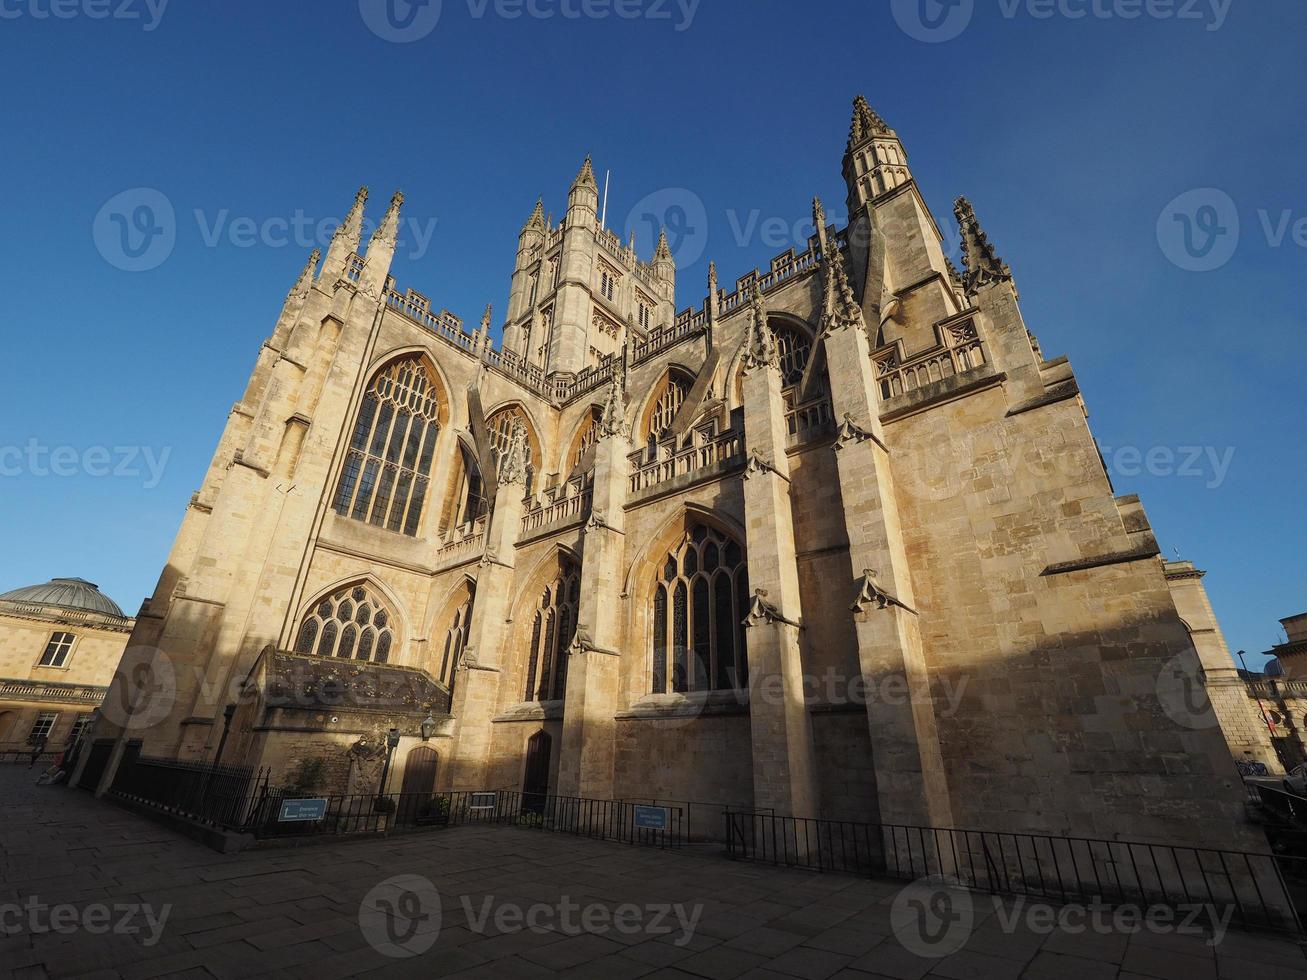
(221, 796)
(1257, 890)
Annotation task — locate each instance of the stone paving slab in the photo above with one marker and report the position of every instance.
(513, 903)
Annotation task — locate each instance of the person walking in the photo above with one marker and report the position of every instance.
(38, 746)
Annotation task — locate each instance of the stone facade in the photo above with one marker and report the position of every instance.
(56, 662)
(835, 541)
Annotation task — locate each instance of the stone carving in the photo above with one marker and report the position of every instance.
(982, 264)
(870, 593)
(388, 231)
(840, 306)
(305, 281)
(866, 123)
(762, 612)
(760, 350)
(850, 432)
(513, 467)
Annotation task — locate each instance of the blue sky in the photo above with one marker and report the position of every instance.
(1072, 135)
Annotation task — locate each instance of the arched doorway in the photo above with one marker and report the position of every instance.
(419, 784)
(535, 777)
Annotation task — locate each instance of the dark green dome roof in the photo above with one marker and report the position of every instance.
(66, 593)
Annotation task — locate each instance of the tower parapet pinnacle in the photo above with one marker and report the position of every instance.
(981, 264)
(345, 240)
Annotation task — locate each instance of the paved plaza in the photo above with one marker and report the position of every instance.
(88, 889)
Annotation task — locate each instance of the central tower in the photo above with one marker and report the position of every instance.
(578, 292)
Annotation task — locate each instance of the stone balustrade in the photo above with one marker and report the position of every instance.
(565, 504)
(960, 350)
(465, 540)
(18, 690)
(808, 420)
(704, 450)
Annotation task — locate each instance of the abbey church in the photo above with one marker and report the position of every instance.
(833, 540)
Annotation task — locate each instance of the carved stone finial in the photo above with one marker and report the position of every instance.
(849, 432)
(351, 228)
(537, 220)
(712, 278)
(866, 123)
(305, 282)
(388, 230)
(981, 264)
(840, 306)
(761, 348)
(612, 420)
(586, 178)
(485, 319)
(513, 466)
(818, 214)
(663, 253)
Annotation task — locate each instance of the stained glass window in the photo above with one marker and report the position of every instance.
(350, 624)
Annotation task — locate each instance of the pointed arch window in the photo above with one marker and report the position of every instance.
(387, 469)
(698, 609)
(586, 437)
(666, 405)
(499, 426)
(354, 623)
(552, 630)
(455, 642)
(794, 349)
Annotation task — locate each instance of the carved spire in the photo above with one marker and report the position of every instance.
(537, 220)
(351, 229)
(761, 350)
(866, 123)
(388, 230)
(513, 465)
(305, 281)
(819, 223)
(712, 278)
(586, 178)
(482, 336)
(981, 264)
(663, 252)
(612, 420)
(842, 308)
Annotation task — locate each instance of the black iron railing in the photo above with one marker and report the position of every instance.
(1255, 890)
(222, 796)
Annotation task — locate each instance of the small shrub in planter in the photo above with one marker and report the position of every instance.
(383, 804)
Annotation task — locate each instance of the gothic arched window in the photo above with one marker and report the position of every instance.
(794, 349)
(699, 605)
(667, 403)
(455, 641)
(388, 467)
(586, 436)
(353, 624)
(500, 429)
(552, 630)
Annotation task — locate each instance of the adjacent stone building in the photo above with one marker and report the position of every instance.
(59, 645)
(833, 540)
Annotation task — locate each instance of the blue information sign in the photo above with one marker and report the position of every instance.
(651, 817)
(303, 810)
